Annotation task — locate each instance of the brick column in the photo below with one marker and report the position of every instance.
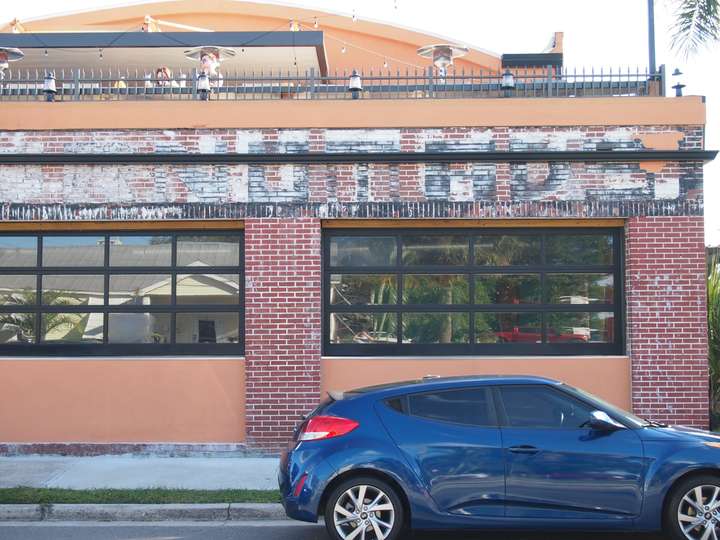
(667, 318)
(282, 326)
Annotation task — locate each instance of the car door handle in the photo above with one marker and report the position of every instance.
(524, 449)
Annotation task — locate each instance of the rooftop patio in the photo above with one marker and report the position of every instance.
(97, 84)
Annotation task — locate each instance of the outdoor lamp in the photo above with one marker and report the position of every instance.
(203, 86)
(508, 80)
(49, 86)
(355, 84)
(678, 87)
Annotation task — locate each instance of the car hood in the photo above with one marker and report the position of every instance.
(675, 433)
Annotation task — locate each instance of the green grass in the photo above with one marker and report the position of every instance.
(26, 495)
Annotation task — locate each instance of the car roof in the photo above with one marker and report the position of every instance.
(433, 382)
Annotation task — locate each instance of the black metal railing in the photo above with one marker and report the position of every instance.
(118, 84)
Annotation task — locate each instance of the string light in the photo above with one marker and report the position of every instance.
(315, 23)
(343, 50)
(385, 64)
(354, 17)
(46, 53)
(101, 54)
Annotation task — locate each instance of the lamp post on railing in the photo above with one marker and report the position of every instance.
(508, 82)
(203, 86)
(355, 85)
(49, 87)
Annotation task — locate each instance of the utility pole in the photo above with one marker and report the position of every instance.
(651, 35)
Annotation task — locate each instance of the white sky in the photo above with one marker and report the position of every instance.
(611, 33)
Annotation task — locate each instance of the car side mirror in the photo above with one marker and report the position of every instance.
(601, 421)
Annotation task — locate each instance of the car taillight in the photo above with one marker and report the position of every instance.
(326, 427)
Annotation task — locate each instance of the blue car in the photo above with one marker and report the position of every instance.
(496, 452)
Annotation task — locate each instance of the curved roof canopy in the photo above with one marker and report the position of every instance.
(345, 44)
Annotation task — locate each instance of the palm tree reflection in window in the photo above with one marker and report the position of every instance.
(21, 326)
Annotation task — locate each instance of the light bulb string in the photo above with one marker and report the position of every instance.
(346, 43)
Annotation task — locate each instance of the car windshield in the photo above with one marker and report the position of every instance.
(617, 412)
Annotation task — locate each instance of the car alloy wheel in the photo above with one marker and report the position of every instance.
(698, 513)
(364, 509)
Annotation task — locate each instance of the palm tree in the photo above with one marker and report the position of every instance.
(713, 301)
(697, 23)
(23, 324)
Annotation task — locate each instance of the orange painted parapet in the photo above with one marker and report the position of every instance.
(122, 400)
(661, 140)
(607, 377)
(612, 111)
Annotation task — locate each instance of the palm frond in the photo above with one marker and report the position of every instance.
(697, 23)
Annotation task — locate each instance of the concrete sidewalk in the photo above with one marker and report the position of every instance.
(123, 472)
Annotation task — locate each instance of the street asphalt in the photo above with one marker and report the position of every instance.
(246, 531)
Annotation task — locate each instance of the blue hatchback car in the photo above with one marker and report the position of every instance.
(496, 452)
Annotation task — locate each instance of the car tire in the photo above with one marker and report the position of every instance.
(682, 509)
(343, 517)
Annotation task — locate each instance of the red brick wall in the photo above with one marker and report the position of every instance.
(282, 326)
(666, 310)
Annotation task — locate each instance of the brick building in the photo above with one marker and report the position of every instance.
(183, 272)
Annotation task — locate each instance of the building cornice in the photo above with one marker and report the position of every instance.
(359, 157)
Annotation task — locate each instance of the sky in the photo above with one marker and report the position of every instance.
(611, 33)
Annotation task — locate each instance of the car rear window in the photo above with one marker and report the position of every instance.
(467, 406)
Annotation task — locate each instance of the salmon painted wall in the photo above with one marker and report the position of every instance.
(607, 377)
(128, 400)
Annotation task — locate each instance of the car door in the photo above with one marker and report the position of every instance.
(452, 441)
(557, 467)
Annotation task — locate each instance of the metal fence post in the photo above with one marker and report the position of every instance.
(431, 84)
(312, 83)
(549, 81)
(193, 88)
(76, 84)
(662, 78)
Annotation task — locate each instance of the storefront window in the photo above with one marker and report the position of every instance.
(465, 291)
(118, 294)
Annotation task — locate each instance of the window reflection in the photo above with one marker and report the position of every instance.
(580, 327)
(133, 250)
(435, 327)
(435, 289)
(582, 249)
(507, 250)
(17, 327)
(72, 327)
(358, 289)
(18, 251)
(363, 328)
(363, 251)
(140, 289)
(73, 290)
(139, 328)
(435, 250)
(208, 250)
(208, 289)
(207, 327)
(508, 328)
(579, 288)
(18, 290)
(77, 251)
(507, 289)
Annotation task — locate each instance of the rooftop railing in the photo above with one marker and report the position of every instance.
(118, 84)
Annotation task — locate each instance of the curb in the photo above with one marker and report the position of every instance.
(142, 512)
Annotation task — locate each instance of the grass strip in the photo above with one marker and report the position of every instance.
(28, 495)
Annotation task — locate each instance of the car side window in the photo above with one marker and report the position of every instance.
(469, 406)
(542, 407)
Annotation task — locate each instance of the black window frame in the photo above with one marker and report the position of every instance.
(57, 348)
(617, 307)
